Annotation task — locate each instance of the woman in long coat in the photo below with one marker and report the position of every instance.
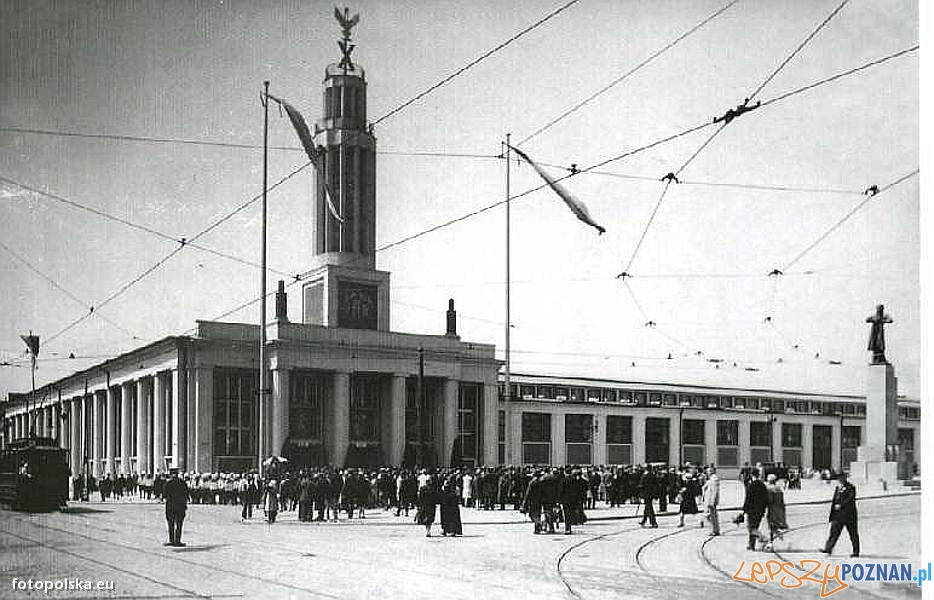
(427, 501)
(776, 510)
(450, 510)
(271, 501)
(689, 492)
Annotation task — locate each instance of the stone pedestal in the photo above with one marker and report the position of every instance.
(876, 466)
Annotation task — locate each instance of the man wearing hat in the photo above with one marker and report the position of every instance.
(843, 514)
(176, 504)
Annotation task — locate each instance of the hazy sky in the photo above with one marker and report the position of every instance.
(193, 70)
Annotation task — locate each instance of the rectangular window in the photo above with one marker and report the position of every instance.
(309, 394)
(640, 398)
(536, 438)
(692, 432)
(612, 396)
(364, 408)
(670, 399)
(657, 440)
(561, 393)
(728, 456)
(760, 433)
(618, 430)
(527, 392)
(594, 395)
(234, 403)
(655, 399)
(468, 402)
(791, 435)
(755, 403)
(728, 433)
(851, 436)
(546, 392)
(578, 428)
(536, 427)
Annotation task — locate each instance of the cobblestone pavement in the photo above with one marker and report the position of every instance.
(388, 557)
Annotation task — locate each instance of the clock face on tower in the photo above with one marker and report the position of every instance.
(356, 305)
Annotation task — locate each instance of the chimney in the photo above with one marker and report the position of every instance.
(452, 319)
(282, 304)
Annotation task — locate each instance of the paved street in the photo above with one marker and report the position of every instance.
(389, 557)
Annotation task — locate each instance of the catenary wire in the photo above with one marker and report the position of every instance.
(476, 61)
(845, 217)
(64, 290)
(219, 144)
(625, 75)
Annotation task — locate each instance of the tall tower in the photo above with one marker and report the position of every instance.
(343, 288)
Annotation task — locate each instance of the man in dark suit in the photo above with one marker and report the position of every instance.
(176, 504)
(572, 492)
(532, 502)
(755, 505)
(843, 514)
(647, 490)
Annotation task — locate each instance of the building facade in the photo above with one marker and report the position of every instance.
(345, 390)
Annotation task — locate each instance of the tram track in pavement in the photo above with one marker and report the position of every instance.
(702, 554)
(162, 555)
(823, 523)
(340, 559)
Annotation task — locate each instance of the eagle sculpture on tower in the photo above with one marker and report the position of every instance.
(346, 21)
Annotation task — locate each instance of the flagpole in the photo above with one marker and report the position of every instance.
(507, 412)
(261, 422)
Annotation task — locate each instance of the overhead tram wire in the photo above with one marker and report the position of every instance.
(846, 217)
(476, 61)
(625, 75)
(64, 290)
(139, 227)
(618, 157)
(123, 289)
(723, 124)
(211, 143)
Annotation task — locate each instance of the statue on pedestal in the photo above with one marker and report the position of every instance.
(877, 335)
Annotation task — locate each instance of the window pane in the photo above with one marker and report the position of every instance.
(727, 433)
(618, 429)
(692, 431)
(791, 435)
(536, 427)
(759, 434)
(578, 428)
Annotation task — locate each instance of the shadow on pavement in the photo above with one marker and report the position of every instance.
(83, 510)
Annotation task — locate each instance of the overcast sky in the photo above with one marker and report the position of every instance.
(193, 70)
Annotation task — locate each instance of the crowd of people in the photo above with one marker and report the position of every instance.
(548, 496)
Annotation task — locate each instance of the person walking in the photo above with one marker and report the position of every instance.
(688, 493)
(712, 499)
(532, 502)
(450, 510)
(754, 507)
(176, 505)
(271, 502)
(843, 514)
(647, 492)
(427, 506)
(776, 512)
(572, 490)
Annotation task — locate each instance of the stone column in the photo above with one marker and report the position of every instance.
(675, 455)
(745, 451)
(179, 422)
(74, 425)
(62, 439)
(489, 435)
(340, 419)
(127, 423)
(710, 441)
(111, 432)
(158, 423)
(836, 438)
(599, 438)
(203, 409)
(807, 445)
(396, 449)
(777, 447)
(449, 420)
(638, 438)
(98, 432)
(559, 448)
(280, 410)
(143, 459)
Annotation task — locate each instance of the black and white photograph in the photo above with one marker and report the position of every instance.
(426, 299)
